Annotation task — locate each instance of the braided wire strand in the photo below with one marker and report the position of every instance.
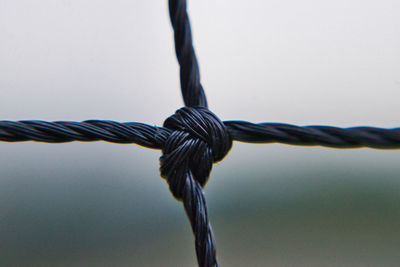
(328, 136)
(87, 131)
(192, 91)
(186, 187)
(154, 137)
(198, 140)
(193, 96)
(206, 254)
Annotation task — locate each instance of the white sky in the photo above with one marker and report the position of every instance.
(305, 62)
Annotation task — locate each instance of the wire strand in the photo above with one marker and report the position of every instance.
(329, 136)
(192, 91)
(155, 137)
(87, 131)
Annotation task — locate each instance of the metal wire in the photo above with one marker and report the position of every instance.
(155, 137)
(87, 131)
(192, 91)
(328, 136)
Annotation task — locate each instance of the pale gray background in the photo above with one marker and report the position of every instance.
(100, 204)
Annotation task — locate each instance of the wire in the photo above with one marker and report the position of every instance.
(328, 136)
(87, 131)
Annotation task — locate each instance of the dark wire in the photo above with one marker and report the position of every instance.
(155, 137)
(192, 91)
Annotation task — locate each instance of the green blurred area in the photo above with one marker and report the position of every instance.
(271, 205)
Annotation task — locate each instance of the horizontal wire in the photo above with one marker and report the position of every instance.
(87, 131)
(155, 137)
(328, 136)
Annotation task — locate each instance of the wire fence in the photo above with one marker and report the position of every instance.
(194, 138)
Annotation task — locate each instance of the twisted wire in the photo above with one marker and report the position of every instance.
(193, 96)
(198, 140)
(155, 137)
(87, 131)
(328, 136)
(192, 91)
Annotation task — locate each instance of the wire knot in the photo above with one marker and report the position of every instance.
(198, 140)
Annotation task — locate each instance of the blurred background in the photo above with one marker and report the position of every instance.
(99, 204)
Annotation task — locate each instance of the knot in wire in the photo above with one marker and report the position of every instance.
(198, 140)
